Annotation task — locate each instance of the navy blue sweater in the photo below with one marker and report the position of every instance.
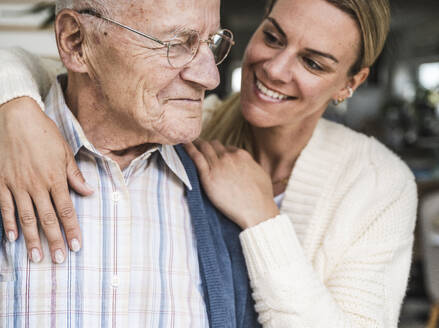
(222, 264)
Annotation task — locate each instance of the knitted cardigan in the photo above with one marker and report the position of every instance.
(339, 255)
(340, 252)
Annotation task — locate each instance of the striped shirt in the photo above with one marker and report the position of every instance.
(138, 266)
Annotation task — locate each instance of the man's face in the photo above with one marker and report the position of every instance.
(135, 82)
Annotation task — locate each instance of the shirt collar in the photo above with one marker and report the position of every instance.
(58, 111)
(174, 163)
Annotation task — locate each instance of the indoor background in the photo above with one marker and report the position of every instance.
(399, 105)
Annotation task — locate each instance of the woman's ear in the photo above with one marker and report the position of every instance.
(69, 38)
(353, 83)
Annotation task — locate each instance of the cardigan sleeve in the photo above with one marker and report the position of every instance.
(365, 286)
(24, 74)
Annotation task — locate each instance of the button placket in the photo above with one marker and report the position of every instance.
(115, 281)
(115, 196)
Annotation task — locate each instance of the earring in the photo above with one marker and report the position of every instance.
(351, 92)
(338, 101)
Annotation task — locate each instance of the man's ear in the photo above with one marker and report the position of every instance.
(353, 83)
(69, 38)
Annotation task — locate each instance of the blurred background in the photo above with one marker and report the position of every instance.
(399, 105)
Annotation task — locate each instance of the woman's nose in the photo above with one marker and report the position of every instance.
(280, 67)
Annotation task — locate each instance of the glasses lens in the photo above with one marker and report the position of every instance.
(182, 48)
(221, 43)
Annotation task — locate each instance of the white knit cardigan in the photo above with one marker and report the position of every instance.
(340, 252)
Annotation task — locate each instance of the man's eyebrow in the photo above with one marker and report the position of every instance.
(322, 54)
(277, 26)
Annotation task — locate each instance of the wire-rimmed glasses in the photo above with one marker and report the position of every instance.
(183, 47)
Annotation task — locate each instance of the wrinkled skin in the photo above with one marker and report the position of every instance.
(151, 103)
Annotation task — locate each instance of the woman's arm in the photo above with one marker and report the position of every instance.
(358, 277)
(364, 287)
(23, 74)
(36, 162)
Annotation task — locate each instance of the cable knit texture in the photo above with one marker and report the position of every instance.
(339, 254)
(24, 74)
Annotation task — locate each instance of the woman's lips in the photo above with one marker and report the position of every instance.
(269, 94)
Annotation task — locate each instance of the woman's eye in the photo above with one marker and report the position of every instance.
(312, 64)
(271, 39)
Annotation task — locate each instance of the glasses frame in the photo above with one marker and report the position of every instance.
(167, 44)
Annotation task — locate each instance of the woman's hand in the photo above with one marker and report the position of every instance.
(234, 182)
(35, 165)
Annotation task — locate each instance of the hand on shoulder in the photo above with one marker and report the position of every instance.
(234, 182)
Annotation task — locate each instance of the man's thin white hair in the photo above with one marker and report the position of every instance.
(101, 6)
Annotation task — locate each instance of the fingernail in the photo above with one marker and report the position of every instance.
(36, 256)
(75, 245)
(90, 188)
(11, 236)
(59, 256)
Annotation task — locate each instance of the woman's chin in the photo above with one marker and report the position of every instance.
(256, 116)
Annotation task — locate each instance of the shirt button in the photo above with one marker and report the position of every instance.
(116, 196)
(115, 281)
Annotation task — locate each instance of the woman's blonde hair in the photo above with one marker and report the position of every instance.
(373, 19)
(228, 125)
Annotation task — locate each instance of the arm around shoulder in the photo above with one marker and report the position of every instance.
(24, 74)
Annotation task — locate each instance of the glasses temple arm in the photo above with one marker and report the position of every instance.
(93, 13)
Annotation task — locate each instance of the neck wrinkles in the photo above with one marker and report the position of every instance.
(107, 133)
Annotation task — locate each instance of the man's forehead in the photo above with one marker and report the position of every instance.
(165, 15)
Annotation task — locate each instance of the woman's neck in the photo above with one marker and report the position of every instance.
(276, 149)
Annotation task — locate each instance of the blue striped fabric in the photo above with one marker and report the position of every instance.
(139, 263)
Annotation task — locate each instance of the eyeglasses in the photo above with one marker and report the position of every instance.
(183, 47)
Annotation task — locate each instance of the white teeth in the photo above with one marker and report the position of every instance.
(270, 93)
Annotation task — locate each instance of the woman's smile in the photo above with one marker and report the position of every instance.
(268, 94)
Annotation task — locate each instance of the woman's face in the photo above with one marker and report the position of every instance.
(297, 61)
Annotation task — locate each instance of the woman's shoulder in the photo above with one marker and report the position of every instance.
(375, 189)
(364, 151)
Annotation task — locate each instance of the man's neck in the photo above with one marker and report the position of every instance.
(112, 136)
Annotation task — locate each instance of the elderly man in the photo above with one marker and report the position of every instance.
(154, 252)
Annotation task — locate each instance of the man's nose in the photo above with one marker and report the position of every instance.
(202, 70)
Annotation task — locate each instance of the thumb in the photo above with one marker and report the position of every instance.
(75, 178)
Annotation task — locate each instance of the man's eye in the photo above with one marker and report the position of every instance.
(271, 39)
(312, 64)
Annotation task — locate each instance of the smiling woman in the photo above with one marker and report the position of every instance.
(327, 214)
(336, 253)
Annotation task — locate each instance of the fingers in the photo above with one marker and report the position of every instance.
(35, 157)
(219, 148)
(7, 208)
(198, 158)
(205, 154)
(67, 215)
(29, 227)
(232, 149)
(207, 150)
(49, 223)
(75, 178)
